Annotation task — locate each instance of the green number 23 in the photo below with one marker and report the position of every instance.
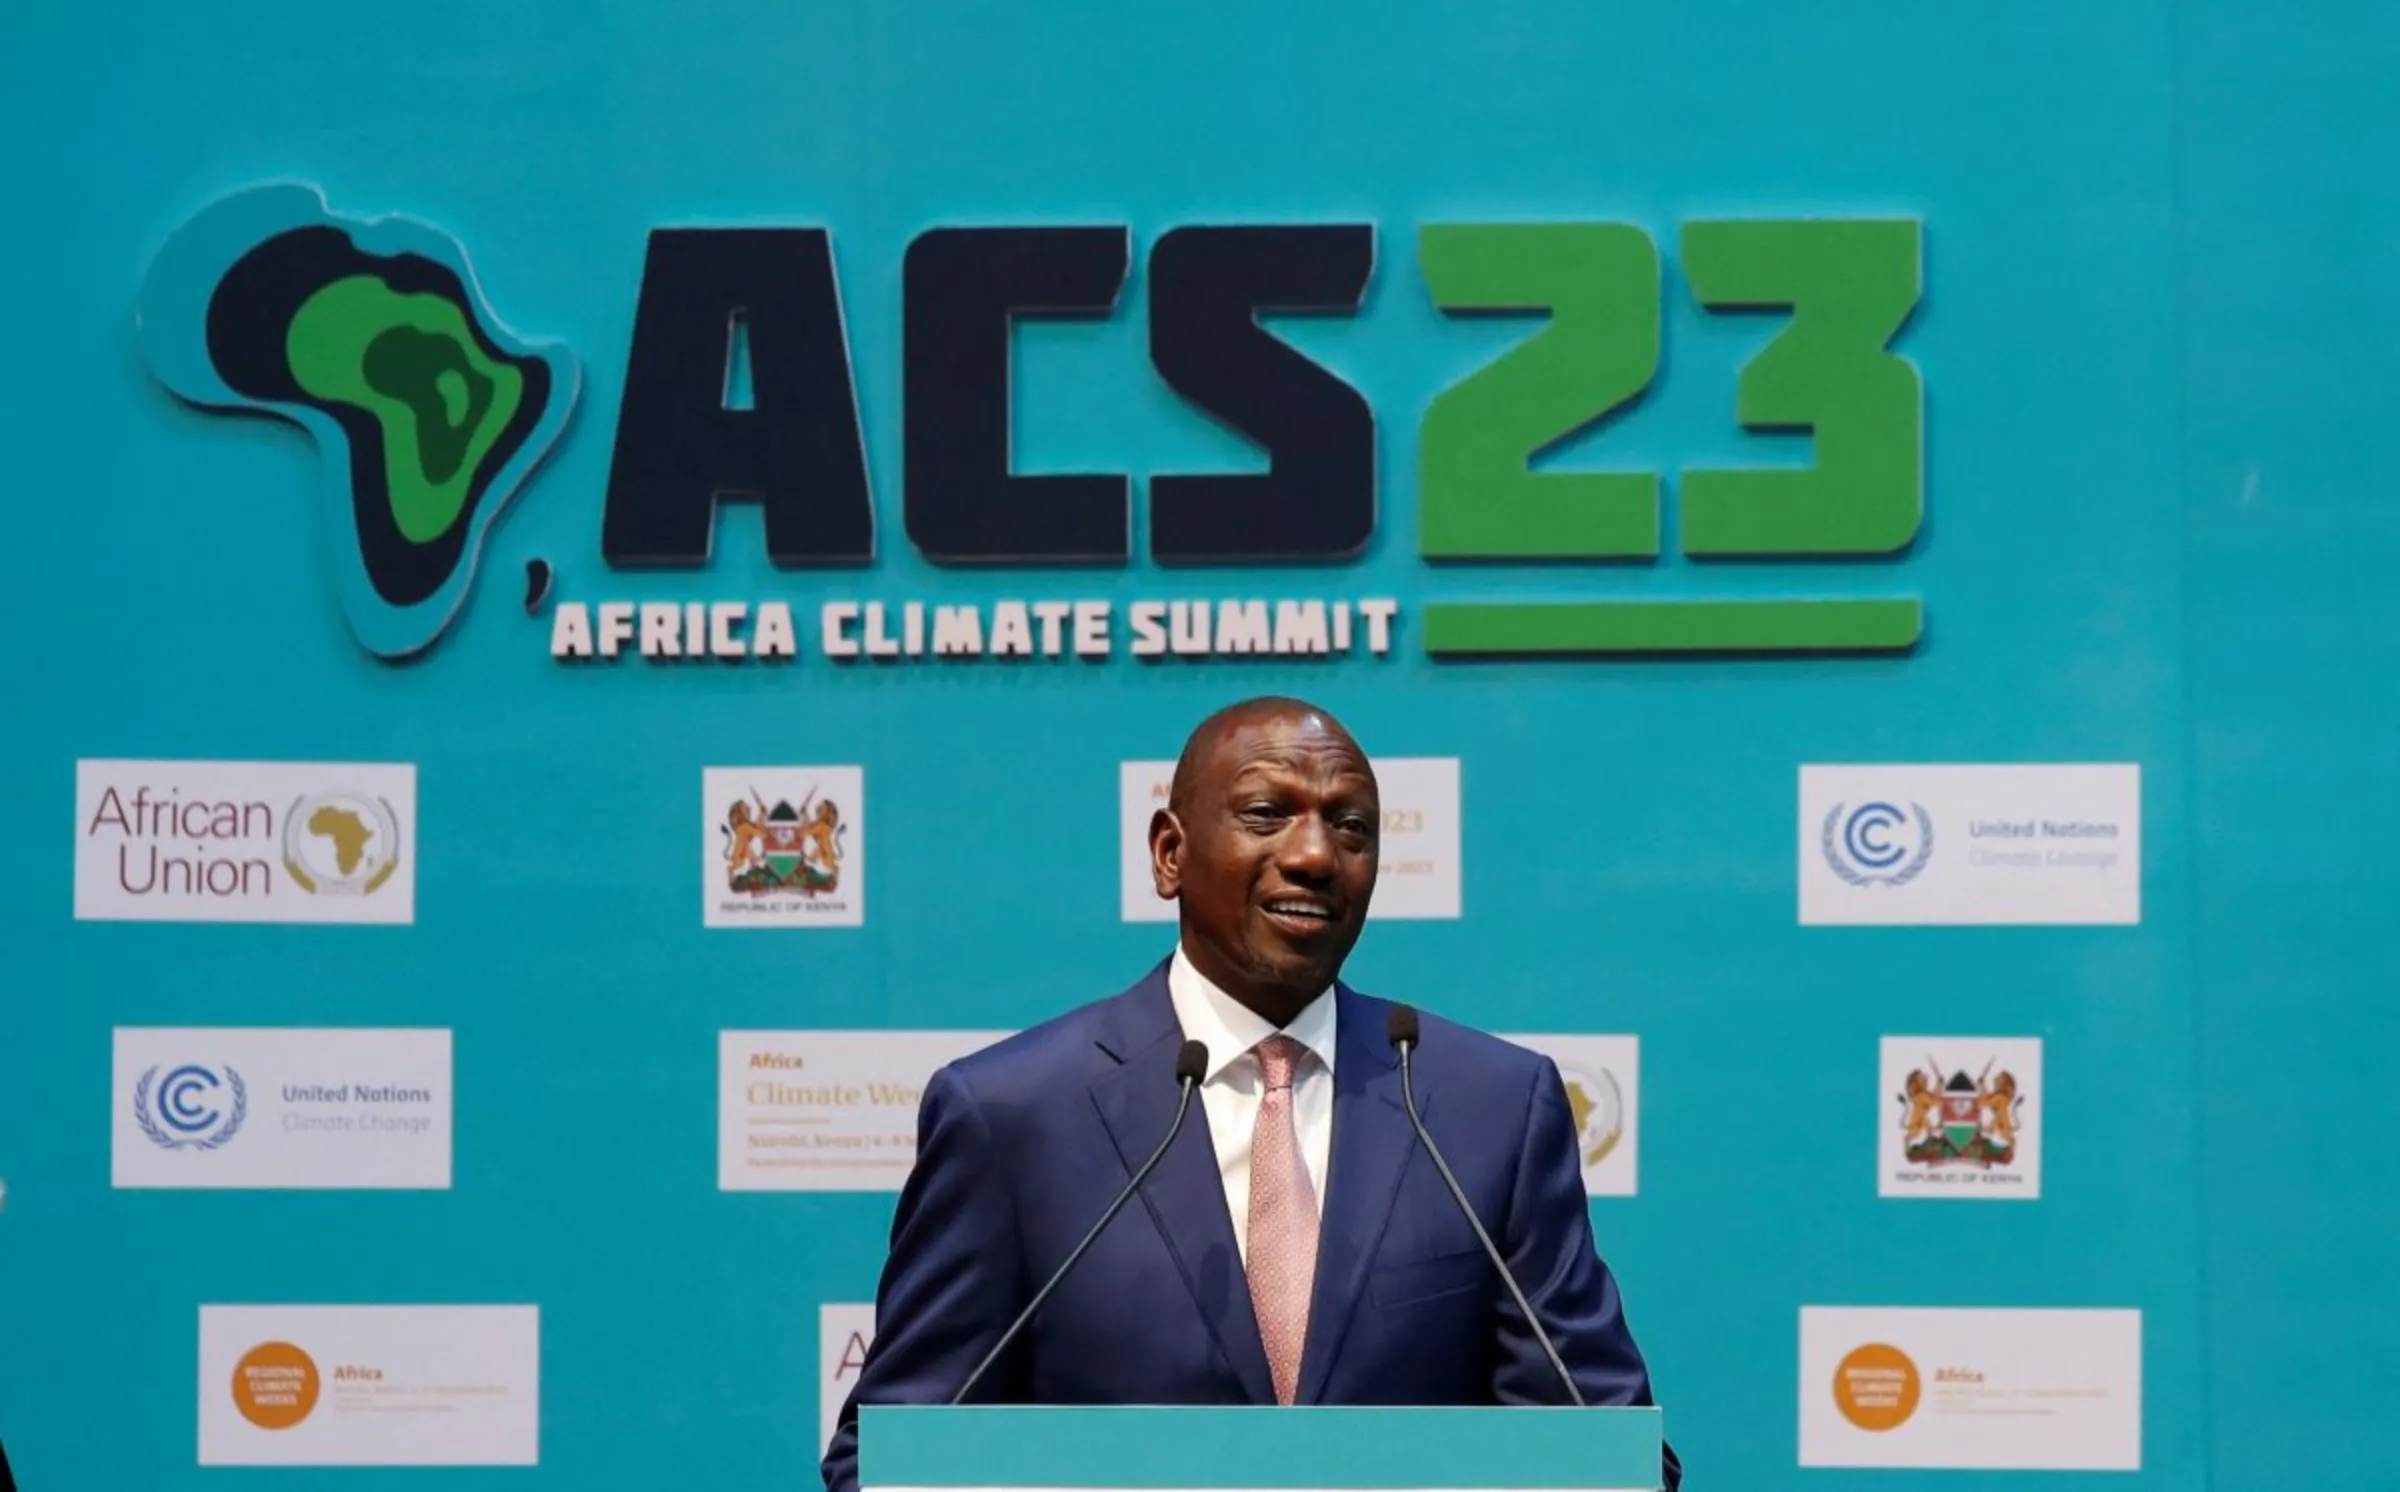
(1850, 285)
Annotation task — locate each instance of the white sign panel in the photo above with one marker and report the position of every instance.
(1421, 876)
(844, 1333)
(1956, 845)
(1959, 1118)
(370, 1385)
(783, 847)
(1603, 1075)
(1992, 1390)
(826, 1111)
(199, 841)
(273, 1107)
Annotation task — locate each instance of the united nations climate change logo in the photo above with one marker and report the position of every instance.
(341, 844)
(769, 851)
(192, 1108)
(1599, 1110)
(1876, 844)
(371, 335)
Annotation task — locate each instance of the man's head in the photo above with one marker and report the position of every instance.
(1269, 840)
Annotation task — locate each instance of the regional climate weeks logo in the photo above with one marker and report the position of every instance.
(276, 1385)
(371, 335)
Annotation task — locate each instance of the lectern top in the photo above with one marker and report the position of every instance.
(1341, 1449)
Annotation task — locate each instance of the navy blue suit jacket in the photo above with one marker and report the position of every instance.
(1022, 1146)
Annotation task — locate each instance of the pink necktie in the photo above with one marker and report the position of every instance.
(1282, 1261)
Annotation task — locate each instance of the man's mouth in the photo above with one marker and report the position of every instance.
(1299, 913)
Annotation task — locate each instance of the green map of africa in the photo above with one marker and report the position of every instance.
(348, 833)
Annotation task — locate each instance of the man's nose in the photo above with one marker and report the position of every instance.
(1307, 851)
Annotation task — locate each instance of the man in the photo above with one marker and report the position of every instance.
(1295, 1245)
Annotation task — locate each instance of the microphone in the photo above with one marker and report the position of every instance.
(1401, 1027)
(1191, 1065)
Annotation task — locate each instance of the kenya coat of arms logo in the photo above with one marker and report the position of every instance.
(1961, 1120)
(783, 849)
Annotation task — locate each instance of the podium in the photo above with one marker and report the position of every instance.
(996, 1448)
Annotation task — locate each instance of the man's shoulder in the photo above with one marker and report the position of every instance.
(1459, 1051)
(1036, 1045)
(1060, 1046)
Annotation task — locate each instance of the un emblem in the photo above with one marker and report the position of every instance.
(196, 1108)
(1876, 844)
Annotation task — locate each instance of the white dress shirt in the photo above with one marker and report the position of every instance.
(1231, 1090)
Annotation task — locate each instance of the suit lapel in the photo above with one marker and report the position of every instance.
(1372, 1143)
(1185, 1195)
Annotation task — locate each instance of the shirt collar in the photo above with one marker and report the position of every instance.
(1230, 1029)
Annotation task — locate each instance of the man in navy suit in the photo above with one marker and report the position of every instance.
(1229, 1281)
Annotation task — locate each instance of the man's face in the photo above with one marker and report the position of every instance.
(1273, 858)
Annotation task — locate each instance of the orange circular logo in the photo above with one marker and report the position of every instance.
(275, 1385)
(1876, 1387)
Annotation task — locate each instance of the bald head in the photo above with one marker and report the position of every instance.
(1297, 715)
(1269, 840)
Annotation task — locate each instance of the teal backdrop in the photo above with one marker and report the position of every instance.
(2158, 343)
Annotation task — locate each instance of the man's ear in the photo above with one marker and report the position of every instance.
(1166, 854)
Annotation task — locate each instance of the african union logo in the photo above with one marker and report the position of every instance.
(194, 1108)
(780, 849)
(1598, 1108)
(1876, 844)
(341, 844)
(369, 334)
